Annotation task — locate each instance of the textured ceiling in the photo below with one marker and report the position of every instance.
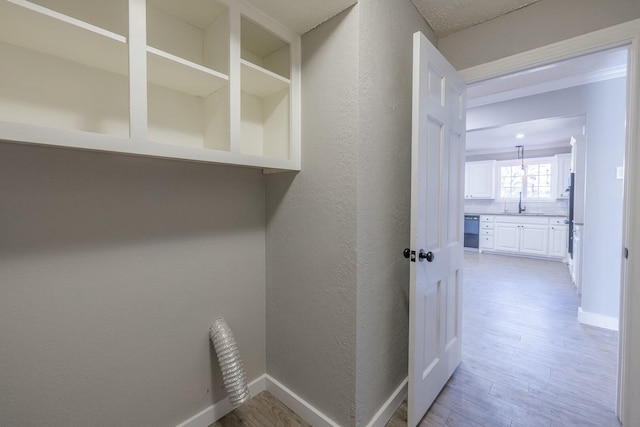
(444, 16)
(449, 16)
(301, 16)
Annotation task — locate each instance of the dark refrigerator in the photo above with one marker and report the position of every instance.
(572, 187)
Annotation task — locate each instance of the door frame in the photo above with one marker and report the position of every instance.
(626, 34)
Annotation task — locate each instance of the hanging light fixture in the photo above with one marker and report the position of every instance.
(520, 149)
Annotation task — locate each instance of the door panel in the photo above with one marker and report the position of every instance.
(437, 186)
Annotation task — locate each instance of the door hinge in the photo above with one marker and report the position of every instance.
(408, 253)
(626, 253)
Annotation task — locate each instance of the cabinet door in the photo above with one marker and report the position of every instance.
(507, 237)
(563, 180)
(558, 241)
(480, 180)
(533, 239)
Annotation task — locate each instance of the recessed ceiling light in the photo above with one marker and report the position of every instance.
(520, 135)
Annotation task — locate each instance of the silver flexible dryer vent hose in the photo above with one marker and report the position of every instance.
(233, 373)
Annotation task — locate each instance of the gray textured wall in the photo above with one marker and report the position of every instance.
(111, 269)
(384, 198)
(542, 23)
(311, 231)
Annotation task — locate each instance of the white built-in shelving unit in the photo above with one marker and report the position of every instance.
(202, 80)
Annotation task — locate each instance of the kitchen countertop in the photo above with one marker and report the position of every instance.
(517, 214)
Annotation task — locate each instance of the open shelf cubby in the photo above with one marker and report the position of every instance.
(77, 80)
(188, 66)
(265, 69)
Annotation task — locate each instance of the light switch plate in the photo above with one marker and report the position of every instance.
(620, 172)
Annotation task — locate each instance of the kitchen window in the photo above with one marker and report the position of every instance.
(534, 181)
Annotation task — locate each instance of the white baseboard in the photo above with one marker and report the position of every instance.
(598, 320)
(298, 405)
(218, 410)
(386, 411)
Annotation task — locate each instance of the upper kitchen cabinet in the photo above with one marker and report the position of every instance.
(563, 175)
(480, 180)
(203, 80)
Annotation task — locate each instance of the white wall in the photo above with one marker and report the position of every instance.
(111, 269)
(539, 24)
(604, 105)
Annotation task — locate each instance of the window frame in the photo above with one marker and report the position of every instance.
(528, 162)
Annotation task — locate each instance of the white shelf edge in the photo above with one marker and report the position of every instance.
(260, 82)
(186, 63)
(68, 20)
(173, 72)
(265, 71)
(76, 139)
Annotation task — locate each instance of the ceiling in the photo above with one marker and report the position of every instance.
(449, 16)
(444, 16)
(543, 133)
(538, 134)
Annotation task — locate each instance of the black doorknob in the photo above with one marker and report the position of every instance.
(426, 255)
(406, 252)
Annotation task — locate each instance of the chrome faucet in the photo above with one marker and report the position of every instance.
(520, 207)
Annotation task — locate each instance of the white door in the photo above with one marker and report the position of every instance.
(437, 194)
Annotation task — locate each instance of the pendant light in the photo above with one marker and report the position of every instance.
(520, 149)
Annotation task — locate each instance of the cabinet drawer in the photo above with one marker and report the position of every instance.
(486, 242)
(487, 218)
(559, 221)
(486, 226)
(486, 232)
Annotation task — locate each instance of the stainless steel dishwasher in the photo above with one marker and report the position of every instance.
(471, 231)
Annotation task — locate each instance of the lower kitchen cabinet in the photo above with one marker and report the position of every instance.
(558, 241)
(522, 238)
(538, 236)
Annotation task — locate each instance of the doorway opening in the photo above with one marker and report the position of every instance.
(569, 119)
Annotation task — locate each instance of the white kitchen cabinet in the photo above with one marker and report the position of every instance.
(529, 239)
(576, 271)
(539, 236)
(486, 233)
(479, 180)
(563, 175)
(507, 237)
(558, 238)
(534, 239)
(204, 80)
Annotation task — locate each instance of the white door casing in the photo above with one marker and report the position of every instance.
(437, 193)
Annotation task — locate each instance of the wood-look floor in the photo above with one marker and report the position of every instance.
(526, 360)
(263, 410)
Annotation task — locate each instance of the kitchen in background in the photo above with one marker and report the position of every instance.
(563, 126)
